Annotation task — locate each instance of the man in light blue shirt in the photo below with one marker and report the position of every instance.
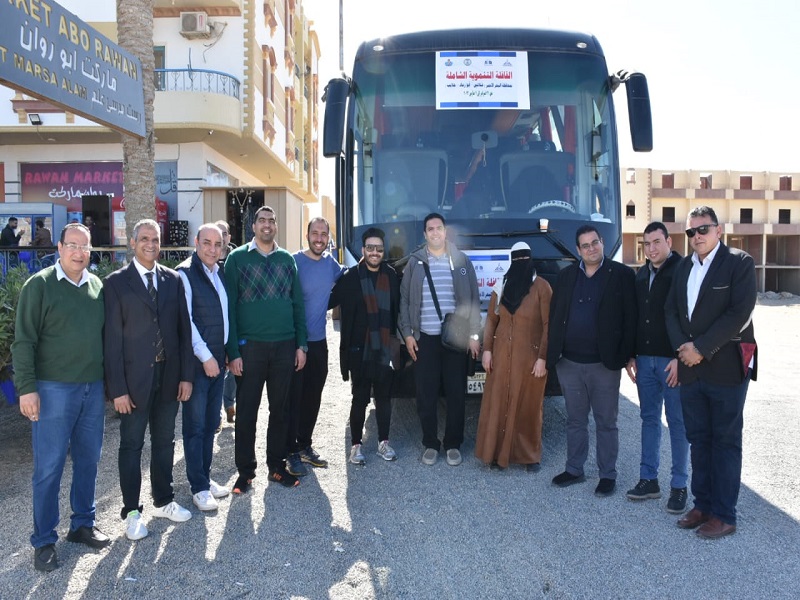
(318, 271)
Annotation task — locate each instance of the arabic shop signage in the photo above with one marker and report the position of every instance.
(49, 53)
(482, 79)
(66, 183)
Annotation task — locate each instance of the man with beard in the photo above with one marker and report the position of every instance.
(369, 296)
(318, 271)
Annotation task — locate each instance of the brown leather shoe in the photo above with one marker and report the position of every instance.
(693, 518)
(231, 414)
(714, 528)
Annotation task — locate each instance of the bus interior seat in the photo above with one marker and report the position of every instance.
(410, 181)
(527, 178)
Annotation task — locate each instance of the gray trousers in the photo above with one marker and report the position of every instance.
(590, 387)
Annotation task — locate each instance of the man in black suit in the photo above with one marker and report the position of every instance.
(149, 368)
(592, 335)
(709, 314)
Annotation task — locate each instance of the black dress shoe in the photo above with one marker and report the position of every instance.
(565, 479)
(91, 536)
(605, 487)
(45, 558)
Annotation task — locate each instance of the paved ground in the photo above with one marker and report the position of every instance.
(404, 530)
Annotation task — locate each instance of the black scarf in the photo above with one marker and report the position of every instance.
(378, 300)
(517, 281)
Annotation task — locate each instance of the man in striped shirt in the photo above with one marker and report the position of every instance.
(456, 289)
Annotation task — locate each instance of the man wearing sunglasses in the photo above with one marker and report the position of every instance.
(369, 297)
(709, 314)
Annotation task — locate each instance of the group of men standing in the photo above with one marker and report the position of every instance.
(153, 339)
(682, 327)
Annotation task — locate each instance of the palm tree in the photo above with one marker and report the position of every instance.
(135, 34)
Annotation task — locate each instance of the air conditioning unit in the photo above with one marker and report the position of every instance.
(195, 24)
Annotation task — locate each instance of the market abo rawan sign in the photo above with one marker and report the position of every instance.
(49, 53)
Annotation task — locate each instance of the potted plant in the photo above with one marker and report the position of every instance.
(10, 289)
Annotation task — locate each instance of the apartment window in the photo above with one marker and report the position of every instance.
(705, 181)
(630, 210)
(640, 256)
(668, 214)
(785, 183)
(668, 181)
(745, 215)
(745, 182)
(630, 176)
(784, 216)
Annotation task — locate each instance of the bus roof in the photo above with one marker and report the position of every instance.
(484, 39)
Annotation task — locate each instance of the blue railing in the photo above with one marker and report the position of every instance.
(196, 80)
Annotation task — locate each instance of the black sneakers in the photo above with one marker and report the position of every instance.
(677, 500)
(646, 489)
(310, 456)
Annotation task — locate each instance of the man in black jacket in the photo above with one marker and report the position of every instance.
(592, 335)
(655, 373)
(369, 296)
(709, 314)
(9, 237)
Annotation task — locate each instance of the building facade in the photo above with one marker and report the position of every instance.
(759, 212)
(236, 121)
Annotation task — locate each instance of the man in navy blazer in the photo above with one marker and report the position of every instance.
(709, 314)
(592, 335)
(149, 367)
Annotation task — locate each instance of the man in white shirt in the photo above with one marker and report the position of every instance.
(207, 302)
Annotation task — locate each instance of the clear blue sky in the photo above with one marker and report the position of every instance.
(722, 75)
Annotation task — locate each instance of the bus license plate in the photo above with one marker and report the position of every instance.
(475, 383)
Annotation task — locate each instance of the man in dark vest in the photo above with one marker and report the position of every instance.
(208, 309)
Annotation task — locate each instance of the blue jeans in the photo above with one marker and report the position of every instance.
(200, 421)
(71, 419)
(714, 419)
(651, 382)
(229, 390)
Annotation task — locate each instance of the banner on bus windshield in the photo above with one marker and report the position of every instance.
(482, 79)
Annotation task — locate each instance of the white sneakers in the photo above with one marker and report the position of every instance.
(217, 490)
(386, 452)
(356, 456)
(134, 528)
(172, 511)
(453, 457)
(205, 501)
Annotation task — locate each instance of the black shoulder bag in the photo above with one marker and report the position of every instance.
(455, 327)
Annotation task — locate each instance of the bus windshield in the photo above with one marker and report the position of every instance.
(545, 162)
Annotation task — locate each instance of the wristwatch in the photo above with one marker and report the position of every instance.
(303, 348)
(474, 337)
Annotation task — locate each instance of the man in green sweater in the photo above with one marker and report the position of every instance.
(267, 343)
(58, 366)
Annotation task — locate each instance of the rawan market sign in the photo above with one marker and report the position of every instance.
(51, 54)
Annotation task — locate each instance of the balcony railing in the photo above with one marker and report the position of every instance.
(196, 80)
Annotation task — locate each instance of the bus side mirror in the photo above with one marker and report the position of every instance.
(639, 115)
(335, 98)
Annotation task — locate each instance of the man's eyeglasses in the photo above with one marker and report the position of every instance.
(373, 248)
(701, 229)
(593, 244)
(72, 247)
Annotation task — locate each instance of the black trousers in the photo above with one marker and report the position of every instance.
(271, 363)
(439, 368)
(363, 385)
(306, 396)
(160, 416)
